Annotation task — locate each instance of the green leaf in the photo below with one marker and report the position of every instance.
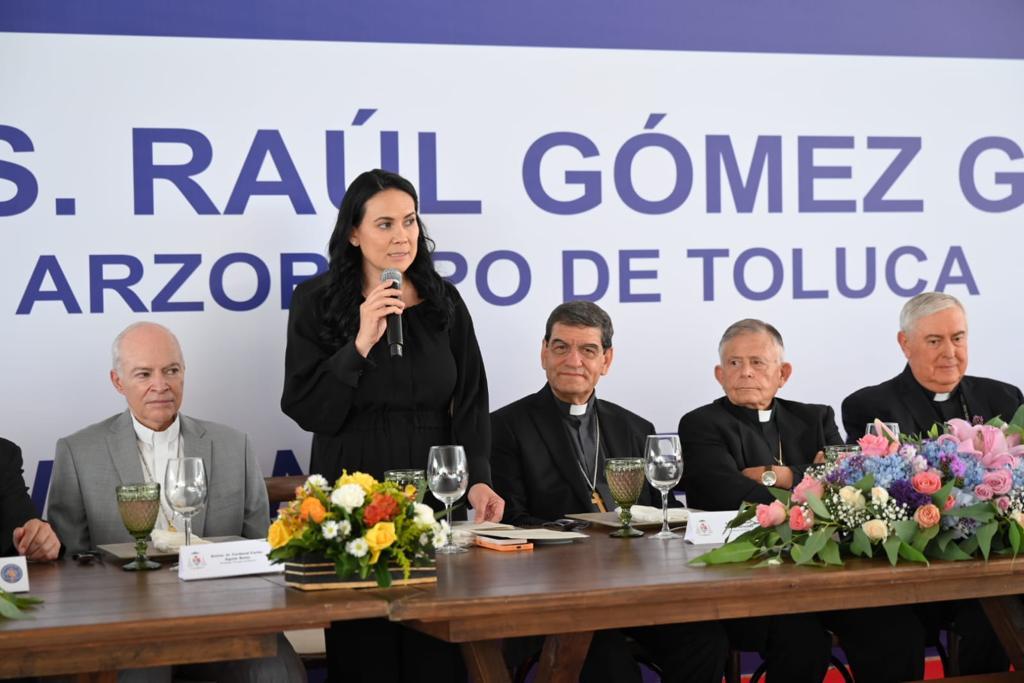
(969, 545)
(925, 535)
(785, 533)
(8, 610)
(940, 496)
(736, 551)
(984, 535)
(746, 513)
(1018, 417)
(909, 552)
(905, 529)
(815, 542)
(950, 552)
(781, 495)
(830, 553)
(796, 551)
(820, 511)
(944, 537)
(860, 545)
(892, 549)
(982, 512)
(866, 483)
(933, 433)
(1014, 533)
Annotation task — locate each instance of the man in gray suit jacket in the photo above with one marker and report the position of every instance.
(134, 446)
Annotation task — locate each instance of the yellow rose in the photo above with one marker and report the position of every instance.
(278, 534)
(875, 529)
(379, 537)
(364, 480)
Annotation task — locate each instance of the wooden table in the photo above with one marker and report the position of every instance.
(98, 618)
(567, 592)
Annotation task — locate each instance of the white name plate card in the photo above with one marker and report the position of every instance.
(14, 574)
(217, 560)
(710, 528)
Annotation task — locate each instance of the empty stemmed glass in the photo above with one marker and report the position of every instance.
(447, 477)
(663, 464)
(625, 477)
(185, 489)
(139, 505)
(892, 427)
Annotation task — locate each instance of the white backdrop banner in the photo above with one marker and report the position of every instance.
(186, 169)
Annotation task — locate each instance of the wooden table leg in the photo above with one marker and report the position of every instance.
(562, 658)
(1006, 614)
(485, 662)
(96, 677)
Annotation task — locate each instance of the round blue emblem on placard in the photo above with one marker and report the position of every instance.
(11, 573)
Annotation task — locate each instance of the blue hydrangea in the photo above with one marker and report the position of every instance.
(888, 469)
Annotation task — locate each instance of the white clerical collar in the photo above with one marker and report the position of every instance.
(764, 415)
(942, 397)
(578, 409)
(150, 437)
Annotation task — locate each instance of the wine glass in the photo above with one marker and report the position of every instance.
(625, 477)
(139, 505)
(663, 464)
(893, 427)
(448, 476)
(403, 478)
(185, 489)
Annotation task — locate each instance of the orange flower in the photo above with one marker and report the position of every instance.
(383, 508)
(312, 509)
(927, 516)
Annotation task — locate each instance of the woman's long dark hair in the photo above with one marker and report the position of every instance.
(342, 296)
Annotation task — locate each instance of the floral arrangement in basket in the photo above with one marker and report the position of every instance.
(360, 524)
(950, 496)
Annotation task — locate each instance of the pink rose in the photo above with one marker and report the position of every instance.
(927, 516)
(983, 492)
(772, 515)
(800, 519)
(950, 502)
(807, 485)
(926, 482)
(1001, 481)
(872, 444)
(1003, 503)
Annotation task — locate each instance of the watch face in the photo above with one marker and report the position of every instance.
(769, 478)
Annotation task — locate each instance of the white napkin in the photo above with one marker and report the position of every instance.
(645, 514)
(169, 541)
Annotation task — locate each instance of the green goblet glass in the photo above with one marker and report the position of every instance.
(139, 505)
(625, 477)
(403, 478)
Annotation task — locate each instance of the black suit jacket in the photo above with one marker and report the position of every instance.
(16, 507)
(534, 467)
(901, 400)
(720, 439)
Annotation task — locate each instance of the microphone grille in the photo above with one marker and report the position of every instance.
(392, 274)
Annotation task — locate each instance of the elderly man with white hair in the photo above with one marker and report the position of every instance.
(134, 446)
(934, 388)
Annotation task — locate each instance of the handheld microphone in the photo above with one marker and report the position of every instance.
(395, 340)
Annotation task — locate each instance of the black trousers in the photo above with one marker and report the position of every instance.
(882, 645)
(980, 649)
(685, 653)
(381, 651)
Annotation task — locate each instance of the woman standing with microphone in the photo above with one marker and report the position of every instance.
(371, 406)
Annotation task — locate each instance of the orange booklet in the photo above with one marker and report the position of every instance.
(503, 544)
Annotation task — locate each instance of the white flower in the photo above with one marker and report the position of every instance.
(348, 497)
(853, 497)
(1018, 517)
(919, 463)
(329, 529)
(317, 481)
(344, 528)
(440, 534)
(876, 529)
(357, 547)
(879, 496)
(424, 539)
(423, 514)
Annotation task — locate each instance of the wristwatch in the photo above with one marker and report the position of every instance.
(768, 477)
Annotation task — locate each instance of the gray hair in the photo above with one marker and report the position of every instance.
(751, 326)
(115, 348)
(581, 314)
(924, 305)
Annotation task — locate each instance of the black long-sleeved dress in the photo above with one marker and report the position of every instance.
(379, 413)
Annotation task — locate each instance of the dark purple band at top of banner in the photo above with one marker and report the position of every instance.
(924, 28)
